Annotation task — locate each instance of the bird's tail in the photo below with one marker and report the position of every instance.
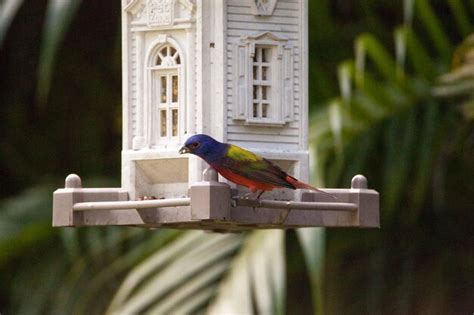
(293, 181)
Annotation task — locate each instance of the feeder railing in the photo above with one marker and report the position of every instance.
(295, 205)
(127, 205)
(211, 206)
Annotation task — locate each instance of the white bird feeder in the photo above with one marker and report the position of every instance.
(236, 70)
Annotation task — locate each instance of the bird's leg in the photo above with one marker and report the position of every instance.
(252, 193)
(253, 190)
(284, 216)
(147, 198)
(246, 195)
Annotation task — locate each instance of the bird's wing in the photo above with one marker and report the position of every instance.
(253, 167)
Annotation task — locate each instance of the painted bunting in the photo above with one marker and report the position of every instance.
(241, 166)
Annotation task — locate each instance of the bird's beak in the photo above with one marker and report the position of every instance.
(184, 150)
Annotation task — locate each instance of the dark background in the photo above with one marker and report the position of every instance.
(64, 117)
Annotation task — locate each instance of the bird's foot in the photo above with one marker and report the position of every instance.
(141, 198)
(245, 196)
(250, 195)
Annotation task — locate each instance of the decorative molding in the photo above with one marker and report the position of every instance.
(263, 7)
(188, 4)
(162, 38)
(160, 12)
(154, 13)
(157, 44)
(133, 6)
(264, 36)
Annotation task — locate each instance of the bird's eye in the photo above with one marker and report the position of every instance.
(194, 145)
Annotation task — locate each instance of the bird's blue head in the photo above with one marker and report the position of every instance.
(205, 147)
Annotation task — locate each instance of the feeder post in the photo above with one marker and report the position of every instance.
(367, 200)
(63, 201)
(210, 199)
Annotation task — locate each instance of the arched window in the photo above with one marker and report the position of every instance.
(168, 57)
(165, 88)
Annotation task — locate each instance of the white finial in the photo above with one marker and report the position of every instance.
(209, 175)
(73, 181)
(359, 182)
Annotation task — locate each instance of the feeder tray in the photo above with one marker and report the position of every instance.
(213, 205)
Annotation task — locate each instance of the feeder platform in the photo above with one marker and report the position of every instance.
(213, 205)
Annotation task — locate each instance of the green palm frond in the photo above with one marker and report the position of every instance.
(381, 89)
(169, 278)
(66, 268)
(24, 222)
(390, 123)
(59, 14)
(312, 241)
(460, 80)
(256, 278)
(8, 10)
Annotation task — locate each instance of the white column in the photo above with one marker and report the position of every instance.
(192, 114)
(139, 139)
(190, 71)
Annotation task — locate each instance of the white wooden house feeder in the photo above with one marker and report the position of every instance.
(232, 69)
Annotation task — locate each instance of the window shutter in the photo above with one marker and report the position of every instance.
(287, 88)
(241, 78)
(249, 96)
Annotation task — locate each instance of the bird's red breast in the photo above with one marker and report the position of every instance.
(244, 181)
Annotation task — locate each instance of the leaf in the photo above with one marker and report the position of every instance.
(25, 221)
(468, 110)
(461, 17)
(256, 279)
(59, 15)
(335, 121)
(344, 74)
(181, 296)
(434, 28)
(368, 46)
(8, 10)
(171, 270)
(417, 54)
(408, 10)
(424, 162)
(312, 242)
(400, 141)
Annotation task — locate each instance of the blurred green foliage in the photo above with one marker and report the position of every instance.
(77, 129)
(391, 97)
